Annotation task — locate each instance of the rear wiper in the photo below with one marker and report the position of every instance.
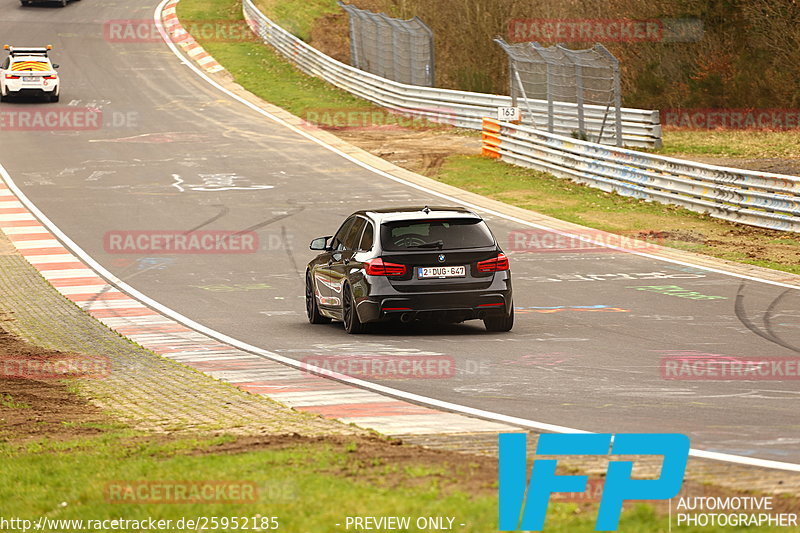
(434, 244)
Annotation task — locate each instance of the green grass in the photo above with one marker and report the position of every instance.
(262, 71)
(7, 401)
(307, 486)
(265, 73)
(310, 486)
(297, 17)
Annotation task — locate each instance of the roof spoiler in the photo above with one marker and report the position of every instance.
(28, 51)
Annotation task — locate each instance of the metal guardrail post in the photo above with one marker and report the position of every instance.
(617, 92)
(549, 69)
(399, 50)
(579, 97)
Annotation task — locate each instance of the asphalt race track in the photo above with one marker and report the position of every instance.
(175, 154)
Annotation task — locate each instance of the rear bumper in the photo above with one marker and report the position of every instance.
(30, 91)
(452, 306)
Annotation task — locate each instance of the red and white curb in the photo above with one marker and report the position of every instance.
(182, 38)
(172, 340)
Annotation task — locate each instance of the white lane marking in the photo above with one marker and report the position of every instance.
(96, 305)
(498, 417)
(178, 181)
(136, 321)
(16, 217)
(36, 243)
(327, 397)
(51, 275)
(93, 290)
(426, 423)
(45, 259)
(21, 230)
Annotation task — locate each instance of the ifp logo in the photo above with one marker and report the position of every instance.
(521, 511)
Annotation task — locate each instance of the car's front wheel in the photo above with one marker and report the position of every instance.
(500, 323)
(312, 310)
(352, 324)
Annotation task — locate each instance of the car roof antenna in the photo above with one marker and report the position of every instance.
(426, 209)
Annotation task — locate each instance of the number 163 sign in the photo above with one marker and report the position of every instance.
(509, 114)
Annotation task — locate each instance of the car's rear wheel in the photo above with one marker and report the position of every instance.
(63, 3)
(54, 97)
(312, 310)
(352, 324)
(500, 323)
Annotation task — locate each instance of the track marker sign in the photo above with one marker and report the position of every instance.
(509, 114)
(524, 507)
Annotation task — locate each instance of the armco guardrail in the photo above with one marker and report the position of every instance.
(640, 127)
(754, 198)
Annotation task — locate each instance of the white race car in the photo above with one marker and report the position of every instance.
(29, 72)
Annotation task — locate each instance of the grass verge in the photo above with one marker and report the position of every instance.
(732, 143)
(297, 17)
(265, 73)
(64, 460)
(305, 484)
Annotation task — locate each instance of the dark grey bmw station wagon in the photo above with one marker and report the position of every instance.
(419, 263)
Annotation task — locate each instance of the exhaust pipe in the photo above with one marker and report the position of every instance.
(405, 318)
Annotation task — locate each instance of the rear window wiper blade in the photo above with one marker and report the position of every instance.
(434, 244)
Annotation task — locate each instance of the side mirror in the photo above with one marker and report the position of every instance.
(55, 65)
(320, 243)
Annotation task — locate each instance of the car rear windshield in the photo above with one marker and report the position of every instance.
(435, 234)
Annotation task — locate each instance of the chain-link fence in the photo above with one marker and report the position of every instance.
(559, 75)
(400, 50)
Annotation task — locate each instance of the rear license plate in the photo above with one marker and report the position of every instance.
(30, 78)
(442, 272)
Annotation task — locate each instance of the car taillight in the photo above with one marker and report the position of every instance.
(11, 77)
(51, 77)
(495, 264)
(378, 267)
